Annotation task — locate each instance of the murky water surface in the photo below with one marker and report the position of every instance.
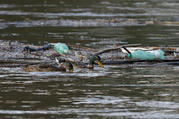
(117, 91)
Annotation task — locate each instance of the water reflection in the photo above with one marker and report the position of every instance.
(118, 91)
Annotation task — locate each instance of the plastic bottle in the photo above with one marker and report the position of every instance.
(159, 54)
(147, 55)
(61, 48)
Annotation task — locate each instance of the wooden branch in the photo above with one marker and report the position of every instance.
(118, 48)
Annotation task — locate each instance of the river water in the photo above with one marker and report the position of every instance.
(117, 91)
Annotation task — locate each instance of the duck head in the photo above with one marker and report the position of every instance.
(67, 65)
(95, 59)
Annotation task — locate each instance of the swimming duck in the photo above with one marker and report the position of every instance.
(61, 66)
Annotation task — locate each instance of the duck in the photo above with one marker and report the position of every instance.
(50, 67)
(95, 59)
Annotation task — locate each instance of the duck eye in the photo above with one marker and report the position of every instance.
(99, 58)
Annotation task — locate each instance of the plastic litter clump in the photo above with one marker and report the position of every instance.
(147, 55)
(61, 48)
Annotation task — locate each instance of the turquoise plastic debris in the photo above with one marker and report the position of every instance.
(61, 48)
(147, 55)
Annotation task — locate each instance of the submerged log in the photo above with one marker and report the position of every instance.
(20, 62)
(166, 61)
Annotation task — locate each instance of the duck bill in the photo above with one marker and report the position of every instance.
(71, 70)
(100, 64)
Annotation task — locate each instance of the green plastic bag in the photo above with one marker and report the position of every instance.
(147, 55)
(61, 48)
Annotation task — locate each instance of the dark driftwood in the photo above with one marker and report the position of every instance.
(166, 61)
(20, 62)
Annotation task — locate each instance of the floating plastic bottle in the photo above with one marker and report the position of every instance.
(159, 54)
(147, 55)
(61, 48)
